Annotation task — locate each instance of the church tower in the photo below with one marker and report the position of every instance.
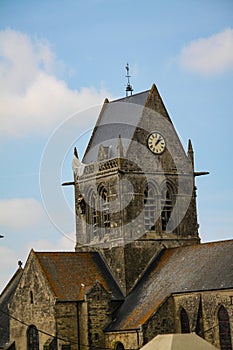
(134, 190)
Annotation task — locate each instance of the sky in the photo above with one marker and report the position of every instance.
(59, 60)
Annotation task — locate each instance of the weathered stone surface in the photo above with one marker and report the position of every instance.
(160, 323)
(209, 302)
(33, 304)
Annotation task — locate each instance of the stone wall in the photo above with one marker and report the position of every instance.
(83, 325)
(67, 324)
(99, 315)
(202, 310)
(32, 304)
(162, 322)
(131, 340)
(204, 305)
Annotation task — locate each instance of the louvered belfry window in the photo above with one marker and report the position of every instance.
(93, 213)
(149, 208)
(166, 206)
(104, 206)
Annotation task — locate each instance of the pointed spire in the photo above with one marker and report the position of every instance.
(191, 152)
(191, 157)
(75, 152)
(120, 149)
(155, 102)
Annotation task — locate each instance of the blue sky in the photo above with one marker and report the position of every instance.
(60, 57)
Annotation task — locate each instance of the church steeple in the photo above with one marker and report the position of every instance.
(155, 102)
(136, 196)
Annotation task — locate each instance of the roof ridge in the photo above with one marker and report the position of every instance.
(12, 280)
(128, 97)
(154, 260)
(199, 244)
(108, 269)
(63, 252)
(44, 274)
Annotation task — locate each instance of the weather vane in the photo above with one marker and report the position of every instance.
(129, 88)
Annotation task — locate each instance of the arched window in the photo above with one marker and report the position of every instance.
(32, 338)
(184, 321)
(224, 329)
(166, 206)
(93, 212)
(149, 207)
(104, 205)
(119, 346)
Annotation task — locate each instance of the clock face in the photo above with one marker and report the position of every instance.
(156, 142)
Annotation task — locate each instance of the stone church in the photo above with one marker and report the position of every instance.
(139, 268)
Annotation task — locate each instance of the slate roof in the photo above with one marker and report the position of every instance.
(121, 117)
(118, 117)
(72, 274)
(5, 299)
(198, 267)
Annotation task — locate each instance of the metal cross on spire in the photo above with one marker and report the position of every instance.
(129, 88)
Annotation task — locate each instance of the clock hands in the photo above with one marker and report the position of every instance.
(158, 141)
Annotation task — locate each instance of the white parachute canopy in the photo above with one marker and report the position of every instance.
(77, 166)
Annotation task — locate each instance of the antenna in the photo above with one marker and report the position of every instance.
(129, 88)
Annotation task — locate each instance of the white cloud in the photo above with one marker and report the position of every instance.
(20, 213)
(209, 55)
(64, 243)
(8, 258)
(8, 265)
(32, 98)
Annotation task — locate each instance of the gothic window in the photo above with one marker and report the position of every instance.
(104, 200)
(119, 346)
(184, 321)
(93, 213)
(149, 207)
(224, 329)
(32, 338)
(166, 206)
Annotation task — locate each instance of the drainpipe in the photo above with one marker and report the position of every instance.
(138, 336)
(78, 325)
